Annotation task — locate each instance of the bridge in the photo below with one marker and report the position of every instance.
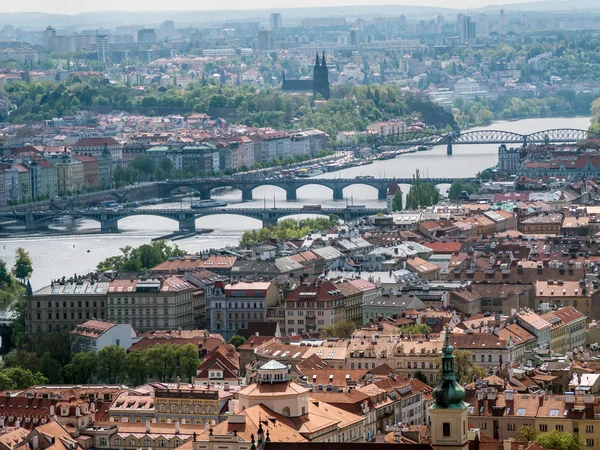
(185, 217)
(290, 185)
(553, 136)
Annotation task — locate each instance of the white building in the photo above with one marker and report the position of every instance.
(94, 335)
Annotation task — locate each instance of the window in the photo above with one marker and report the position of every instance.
(589, 428)
(103, 442)
(554, 413)
(482, 358)
(510, 426)
(589, 442)
(521, 411)
(560, 428)
(285, 412)
(446, 429)
(483, 425)
(543, 428)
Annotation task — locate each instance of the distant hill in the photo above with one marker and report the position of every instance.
(216, 18)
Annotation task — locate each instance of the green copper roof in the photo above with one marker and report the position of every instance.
(449, 393)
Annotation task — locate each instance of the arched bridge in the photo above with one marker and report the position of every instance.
(290, 185)
(187, 218)
(553, 136)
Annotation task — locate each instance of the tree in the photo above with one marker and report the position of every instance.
(5, 277)
(342, 329)
(416, 329)
(397, 202)
(24, 378)
(111, 364)
(144, 165)
(136, 367)
(23, 265)
(421, 194)
(420, 376)
(237, 340)
(458, 186)
(560, 440)
(82, 368)
(162, 361)
(465, 368)
(528, 434)
(187, 361)
(166, 165)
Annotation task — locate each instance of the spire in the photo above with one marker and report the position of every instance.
(317, 64)
(324, 64)
(28, 290)
(449, 393)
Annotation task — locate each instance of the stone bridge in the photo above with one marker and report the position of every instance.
(289, 185)
(185, 217)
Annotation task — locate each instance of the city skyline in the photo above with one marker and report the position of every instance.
(86, 6)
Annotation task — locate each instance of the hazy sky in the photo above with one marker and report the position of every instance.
(79, 6)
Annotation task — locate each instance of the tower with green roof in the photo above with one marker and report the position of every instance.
(449, 416)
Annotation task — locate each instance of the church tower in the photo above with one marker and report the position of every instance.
(449, 416)
(321, 78)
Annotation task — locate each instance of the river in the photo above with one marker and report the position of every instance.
(66, 254)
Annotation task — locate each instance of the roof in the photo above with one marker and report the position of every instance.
(93, 328)
(96, 142)
(193, 263)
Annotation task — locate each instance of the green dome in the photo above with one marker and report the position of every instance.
(449, 393)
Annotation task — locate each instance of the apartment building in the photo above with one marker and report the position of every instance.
(567, 332)
(152, 304)
(64, 305)
(243, 303)
(313, 306)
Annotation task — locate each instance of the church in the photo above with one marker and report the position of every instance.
(318, 85)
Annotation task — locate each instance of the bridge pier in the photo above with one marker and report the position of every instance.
(30, 223)
(187, 223)
(246, 194)
(109, 226)
(204, 194)
(382, 193)
(449, 148)
(291, 194)
(338, 193)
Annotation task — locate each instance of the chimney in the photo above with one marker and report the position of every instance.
(569, 398)
(147, 426)
(51, 410)
(176, 427)
(509, 395)
(541, 399)
(35, 442)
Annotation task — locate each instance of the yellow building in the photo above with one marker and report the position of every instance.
(189, 403)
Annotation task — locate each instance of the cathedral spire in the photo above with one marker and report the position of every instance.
(324, 64)
(317, 63)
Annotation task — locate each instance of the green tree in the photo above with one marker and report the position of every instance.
(342, 329)
(560, 440)
(5, 278)
(82, 368)
(416, 329)
(187, 361)
(111, 364)
(24, 378)
(23, 266)
(397, 202)
(237, 340)
(166, 165)
(528, 434)
(136, 367)
(458, 186)
(143, 165)
(162, 361)
(420, 376)
(465, 368)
